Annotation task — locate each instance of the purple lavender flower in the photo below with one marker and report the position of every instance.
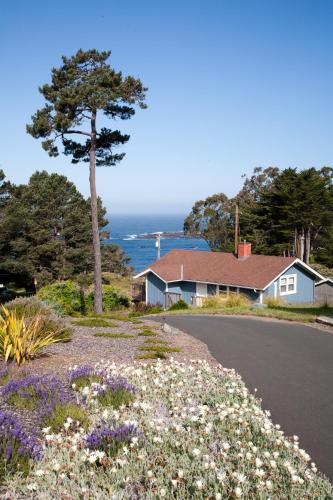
(110, 439)
(41, 393)
(16, 447)
(81, 372)
(116, 384)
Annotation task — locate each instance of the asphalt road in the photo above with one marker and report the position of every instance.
(291, 366)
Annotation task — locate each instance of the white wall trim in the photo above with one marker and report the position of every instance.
(147, 290)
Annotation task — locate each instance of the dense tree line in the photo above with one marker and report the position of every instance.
(45, 229)
(282, 212)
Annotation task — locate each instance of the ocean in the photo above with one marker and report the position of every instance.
(127, 231)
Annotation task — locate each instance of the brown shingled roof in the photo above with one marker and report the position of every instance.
(255, 271)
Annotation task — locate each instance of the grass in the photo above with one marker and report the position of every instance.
(91, 322)
(115, 335)
(156, 341)
(159, 348)
(147, 332)
(152, 355)
(302, 313)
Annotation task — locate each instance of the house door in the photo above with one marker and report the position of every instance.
(201, 289)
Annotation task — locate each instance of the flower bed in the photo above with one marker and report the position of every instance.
(186, 431)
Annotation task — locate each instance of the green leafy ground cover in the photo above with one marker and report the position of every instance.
(186, 431)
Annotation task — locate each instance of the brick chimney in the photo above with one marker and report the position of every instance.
(244, 250)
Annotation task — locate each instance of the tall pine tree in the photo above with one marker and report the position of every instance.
(84, 86)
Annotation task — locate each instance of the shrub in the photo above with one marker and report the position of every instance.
(236, 300)
(141, 308)
(16, 447)
(110, 440)
(83, 376)
(64, 412)
(115, 392)
(180, 304)
(112, 299)
(22, 339)
(67, 294)
(214, 301)
(274, 302)
(29, 307)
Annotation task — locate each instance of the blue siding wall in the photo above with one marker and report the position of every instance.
(186, 288)
(155, 290)
(305, 287)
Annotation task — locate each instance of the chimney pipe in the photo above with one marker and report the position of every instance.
(244, 250)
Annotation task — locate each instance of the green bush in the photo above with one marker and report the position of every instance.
(66, 294)
(180, 304)
(61, 412)
(112, 299)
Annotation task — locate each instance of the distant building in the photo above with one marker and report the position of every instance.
(324, 292)
(192, 275)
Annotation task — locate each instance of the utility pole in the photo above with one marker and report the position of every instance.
(158, 245)
(236, 228)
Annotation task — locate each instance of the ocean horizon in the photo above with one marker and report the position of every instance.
(128, 231)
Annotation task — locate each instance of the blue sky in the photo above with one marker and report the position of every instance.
(232, 85)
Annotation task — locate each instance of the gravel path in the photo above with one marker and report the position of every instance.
(85, 348)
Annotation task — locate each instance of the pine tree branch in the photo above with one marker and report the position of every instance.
(76, 132)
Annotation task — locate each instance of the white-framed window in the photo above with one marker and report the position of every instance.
(288, 284)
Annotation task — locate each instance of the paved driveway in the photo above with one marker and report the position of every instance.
(291, 365)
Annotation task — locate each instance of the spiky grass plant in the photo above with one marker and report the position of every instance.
(22, 339)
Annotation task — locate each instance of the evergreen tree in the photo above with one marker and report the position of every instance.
(212, 219)
(83, 86)
(46, 231)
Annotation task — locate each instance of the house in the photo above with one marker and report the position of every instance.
(191, 275)
(324, 292)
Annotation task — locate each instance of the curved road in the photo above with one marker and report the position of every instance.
(291, 365)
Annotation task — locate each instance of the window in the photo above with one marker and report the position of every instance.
(288, 284)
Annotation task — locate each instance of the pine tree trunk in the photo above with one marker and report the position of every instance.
(307, 246)
(94, 219)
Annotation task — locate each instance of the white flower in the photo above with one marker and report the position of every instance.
(39, 472)
(199, 485)
(162, 492)
(238, 492)
(273, 464)
(269, 485)
(258, 462)
(196, 452)
(32, 486)
(180, 473)
(150, 474)
(46, 430)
